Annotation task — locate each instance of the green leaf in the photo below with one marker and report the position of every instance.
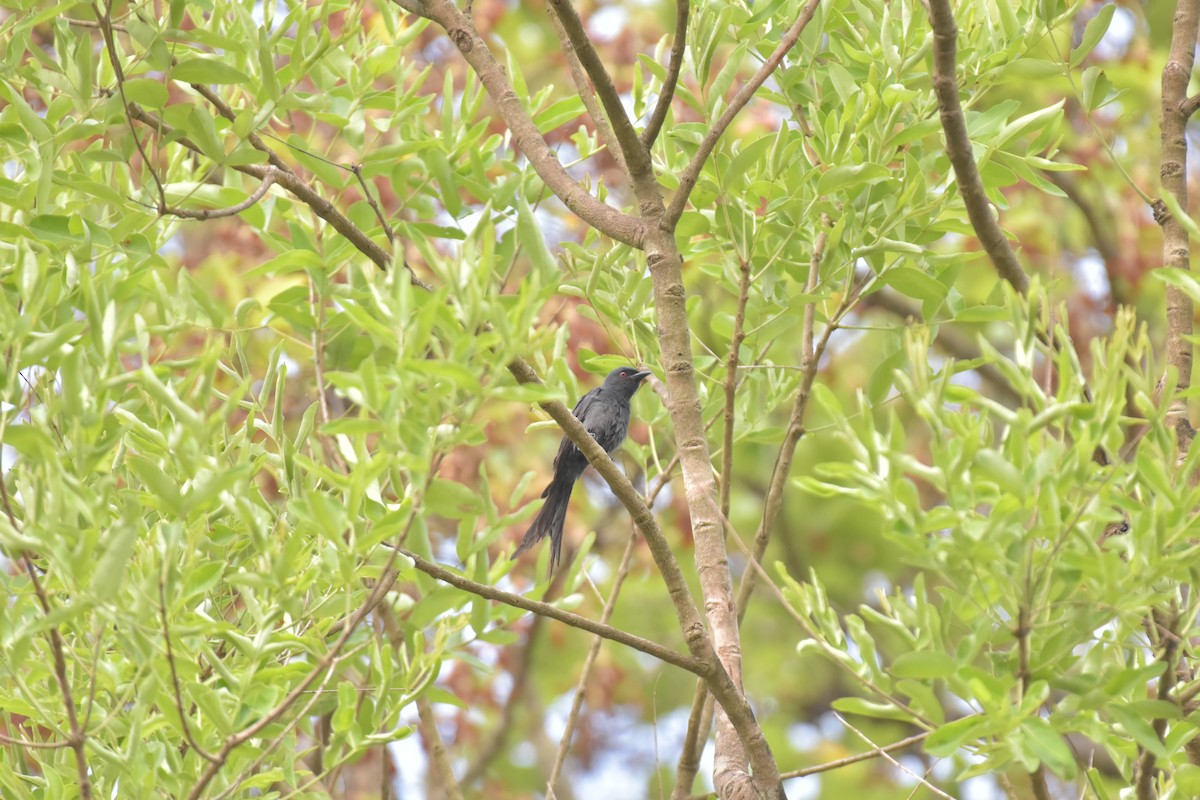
(924, 665)
(146, 92)
(947, 739)
(529, 235)
(1050, 747)
(452, 499)
(1138, 728)
(198, 69)
(840, 177)
(866, 708)
(559, 113)
(1097, 26)
(110, 570)
(914, 283)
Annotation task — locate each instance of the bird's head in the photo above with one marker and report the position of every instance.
(626, 379)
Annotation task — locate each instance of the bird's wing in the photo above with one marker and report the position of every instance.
(580, 411)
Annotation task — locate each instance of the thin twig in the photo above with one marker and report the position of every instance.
(667, 92)
(958, 148)
(564, 742)
(650, 648)
(232, 211)
(450, 789)
(584, 89)
(177, 688)
(687, 179)
(104, 19)
(731, 382)
(887, 756)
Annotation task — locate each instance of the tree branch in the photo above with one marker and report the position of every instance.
(687, 180)
(77, 737)
(450, 789)
(637, 157)
(586, 94)
(691, 664)
(731, 381)
(723, 682)
(958, 148)
(1176, 75)
(667, 93)
(544, 161)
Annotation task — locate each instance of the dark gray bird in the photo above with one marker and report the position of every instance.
(604, 411)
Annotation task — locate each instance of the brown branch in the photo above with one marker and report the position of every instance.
(958, 148)
(77, 737)
(731, 381)
(638, 165)
(178, 690)
(687, 180)
(526, 136)
(450, 789)
(584, 89)
(650, 648)
(564, 742)
(300, 189)
(1176, 75)
(723, 681)
(1164, 628)
(369, 195)
(667, 92)
(104, 19)
(232, 211)
(1190, 106)
(846, 761)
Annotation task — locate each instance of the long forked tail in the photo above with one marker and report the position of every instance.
(549, 521)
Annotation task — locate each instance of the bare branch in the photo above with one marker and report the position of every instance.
(731, 381)
(1176, 75)
(584, 89)
(544, 161)
(745, 732)
(667, 93)
(178, 691)
(958, 148)
(687, 180)
(1190, 106)
(300, 189)
(450, 789)
(636, 156)
(232, 211)
(664, 654)
(104, 19)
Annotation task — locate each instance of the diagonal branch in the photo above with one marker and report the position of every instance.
(687, 180)
(667, 93)
(78, 737)
(584, 89)
(665, 654)
(460, 29)
(958, 148)
(635, 153)
(744, 731)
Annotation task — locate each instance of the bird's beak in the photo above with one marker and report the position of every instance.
(641, 376)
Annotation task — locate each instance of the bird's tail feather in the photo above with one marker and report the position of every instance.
(549, 521)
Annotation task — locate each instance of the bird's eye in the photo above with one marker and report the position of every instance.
(624, 374)
(1124, 527)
